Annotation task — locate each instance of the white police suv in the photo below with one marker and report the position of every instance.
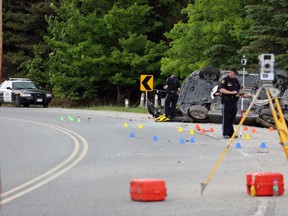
(22, 91)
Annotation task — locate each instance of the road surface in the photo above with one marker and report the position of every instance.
(69, 162)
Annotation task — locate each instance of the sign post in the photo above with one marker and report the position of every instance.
(146, 84)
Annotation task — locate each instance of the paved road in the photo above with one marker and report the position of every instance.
(76, 162)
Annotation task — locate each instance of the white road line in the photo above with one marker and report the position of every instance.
(50, 175)
(260, 211)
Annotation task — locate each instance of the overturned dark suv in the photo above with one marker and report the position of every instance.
(22, 91)
(200, 101)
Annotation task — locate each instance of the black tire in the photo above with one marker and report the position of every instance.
(209, 73)
(45, 105)
(267, 116)
(198, 112)
(17, 101)
(26, 105)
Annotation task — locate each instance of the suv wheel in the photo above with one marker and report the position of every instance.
(198, 112)
(45, 105)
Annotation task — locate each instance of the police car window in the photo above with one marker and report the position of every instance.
(23, 85)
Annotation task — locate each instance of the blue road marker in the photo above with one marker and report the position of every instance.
(132, 135)
(263, 145)
(182, 141)
(155, 138)
(238, 145)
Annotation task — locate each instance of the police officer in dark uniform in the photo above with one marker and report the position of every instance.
(172, 86)
(229, 87)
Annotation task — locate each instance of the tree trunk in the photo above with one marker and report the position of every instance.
(1, 42)
(118, 95)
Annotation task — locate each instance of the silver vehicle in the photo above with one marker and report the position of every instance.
(199, 100)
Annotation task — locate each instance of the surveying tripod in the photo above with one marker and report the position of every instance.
(279, 120)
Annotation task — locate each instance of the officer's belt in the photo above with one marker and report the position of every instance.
(229, 98)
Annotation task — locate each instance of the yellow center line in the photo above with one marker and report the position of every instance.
(53, 173)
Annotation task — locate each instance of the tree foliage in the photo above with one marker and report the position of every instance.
(95, 49)
(24, 26)
(268, 30)
(207, 38)
(112, 48)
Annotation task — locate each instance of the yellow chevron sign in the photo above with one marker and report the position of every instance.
(146, 83)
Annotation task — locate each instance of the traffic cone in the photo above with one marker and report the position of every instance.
(191, 131)
(125, 125)
(78, 120)
(198, 127)
(192, 140)
(245, 128)
(180, 129)
(247, 137)
(62, 118)
(132, 135)
(203, 131)
(238, 146)
(182, 141)
(263, 145)
(155, 138)
(253, 130)
(271, 129)
(211, 130)
(140, 126)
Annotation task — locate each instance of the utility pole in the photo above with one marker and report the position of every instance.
(1, 42)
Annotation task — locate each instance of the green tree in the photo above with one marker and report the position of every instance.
(88, 50)
(23, 26)
(268, 31)
(97, 47)
(209, 37)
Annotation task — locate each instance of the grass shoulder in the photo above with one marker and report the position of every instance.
(119, 109)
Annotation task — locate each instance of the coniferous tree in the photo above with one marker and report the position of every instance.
(268, 30)
(23, 27)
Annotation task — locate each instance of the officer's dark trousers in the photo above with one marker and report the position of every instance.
(171, 99)
(229, 112)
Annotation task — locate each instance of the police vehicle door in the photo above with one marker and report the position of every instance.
(7, 92)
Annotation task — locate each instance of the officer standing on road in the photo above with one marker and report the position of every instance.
(229, 87)
(172, 86)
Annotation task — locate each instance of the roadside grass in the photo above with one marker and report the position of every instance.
(119, 109)
(104, 108)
